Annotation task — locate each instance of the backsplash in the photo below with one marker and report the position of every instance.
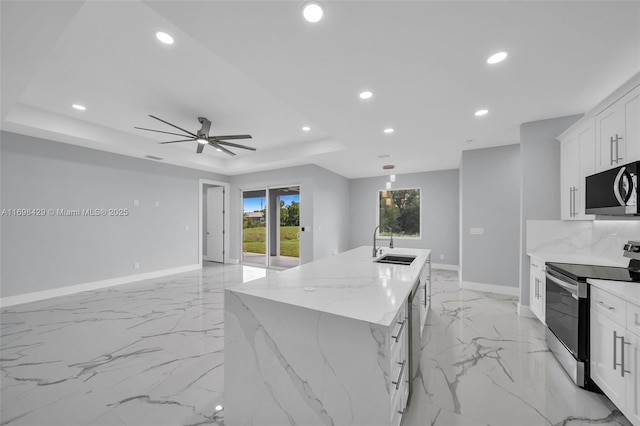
(609, 236)
(601, 239)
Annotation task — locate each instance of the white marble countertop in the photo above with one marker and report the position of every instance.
(575, 258)
(625, 290)
(349, 284)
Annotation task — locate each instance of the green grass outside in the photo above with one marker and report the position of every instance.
(254, 240)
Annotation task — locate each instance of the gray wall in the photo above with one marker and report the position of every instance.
(490, 199)
(540, 185)
(324, 208)
(43, 253)
(440, 203)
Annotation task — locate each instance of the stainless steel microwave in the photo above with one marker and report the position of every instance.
(613, 192)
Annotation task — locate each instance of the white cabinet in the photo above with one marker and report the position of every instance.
(615, 352)
(537, 288)
(425, 293)
(618, 132)
(577, 162)
(399, 365)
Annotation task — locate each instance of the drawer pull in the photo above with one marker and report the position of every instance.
(611, 308)
(397, 336)
(397, 382)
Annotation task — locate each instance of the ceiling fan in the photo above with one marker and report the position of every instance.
(202, 137)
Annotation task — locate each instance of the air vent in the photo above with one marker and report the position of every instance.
(153, 157)
(384, 156)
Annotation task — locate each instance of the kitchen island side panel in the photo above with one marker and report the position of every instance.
(290, 365)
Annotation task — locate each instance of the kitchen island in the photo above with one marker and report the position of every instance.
(324, 343)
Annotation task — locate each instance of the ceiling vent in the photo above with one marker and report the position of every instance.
(153, 157)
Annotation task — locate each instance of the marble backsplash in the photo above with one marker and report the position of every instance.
(598, 239)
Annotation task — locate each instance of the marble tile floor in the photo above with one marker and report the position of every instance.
(151, 353)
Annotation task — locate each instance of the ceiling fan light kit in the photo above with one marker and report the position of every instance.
(202, 137)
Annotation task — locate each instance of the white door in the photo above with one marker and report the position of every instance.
(215, 224)
(632, 364)
(605, 351)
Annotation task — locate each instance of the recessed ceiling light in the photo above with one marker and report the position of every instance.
(306, 128)
(312, 12)
(367, 94)
(218, 149)
(164, 37)
(481, 112)
(79, 107)
(388, 130)
(218, 407)
(497, 57)
(202, 141)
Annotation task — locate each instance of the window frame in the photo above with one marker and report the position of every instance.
(402, 237)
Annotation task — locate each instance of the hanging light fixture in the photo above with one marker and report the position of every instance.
(392, 176)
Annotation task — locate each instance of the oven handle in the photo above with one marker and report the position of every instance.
(572, 289)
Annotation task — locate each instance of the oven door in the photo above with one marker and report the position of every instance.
(567, 312)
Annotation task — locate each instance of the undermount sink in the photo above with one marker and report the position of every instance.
(396, 259)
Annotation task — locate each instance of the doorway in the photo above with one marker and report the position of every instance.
(271, 227)
(214, 222)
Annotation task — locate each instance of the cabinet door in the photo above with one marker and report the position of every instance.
(632, 363)
(632, 126)
(586, 167)
(609, 125)
(605, 350)
(570, 169)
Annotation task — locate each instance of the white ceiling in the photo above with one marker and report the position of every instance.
(259, 68)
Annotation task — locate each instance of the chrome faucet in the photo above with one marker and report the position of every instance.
(375, 249)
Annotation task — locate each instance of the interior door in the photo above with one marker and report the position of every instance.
(215, 224)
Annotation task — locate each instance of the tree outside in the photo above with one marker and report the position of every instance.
(400, 211)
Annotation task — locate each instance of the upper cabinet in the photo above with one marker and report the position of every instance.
(577, 162)
(607, 136)
(618, 132)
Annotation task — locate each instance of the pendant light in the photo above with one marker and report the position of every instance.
(392, 176)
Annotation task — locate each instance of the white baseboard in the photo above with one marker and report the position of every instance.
(445, 266)
(525, 311)
(95, 285)
(490, 288)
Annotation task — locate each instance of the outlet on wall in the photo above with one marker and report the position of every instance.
(136, 265)
(442, 257)
(136, 203)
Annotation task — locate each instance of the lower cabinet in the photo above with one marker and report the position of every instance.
(615, 353)
(425, 290)
(537, 288)
(399, 368)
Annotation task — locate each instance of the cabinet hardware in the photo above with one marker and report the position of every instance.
(397, 382)
(425, 294)
(571, 202)
(575, 209)
(611, 308)
(622, 370)
(615, 349)
(397, 336)
(617, 140)
(611, 150)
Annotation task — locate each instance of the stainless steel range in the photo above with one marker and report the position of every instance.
(567, 309)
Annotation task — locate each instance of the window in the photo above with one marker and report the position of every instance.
(399, 211)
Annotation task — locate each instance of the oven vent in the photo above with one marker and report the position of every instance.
(153, 157)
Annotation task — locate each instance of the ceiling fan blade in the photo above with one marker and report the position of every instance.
(173, 125)
(160, 131)
(235, 145)
(183, 140)
(221, 148)
(232, 137)
(200, 148)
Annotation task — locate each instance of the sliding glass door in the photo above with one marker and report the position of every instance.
(271, 227)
